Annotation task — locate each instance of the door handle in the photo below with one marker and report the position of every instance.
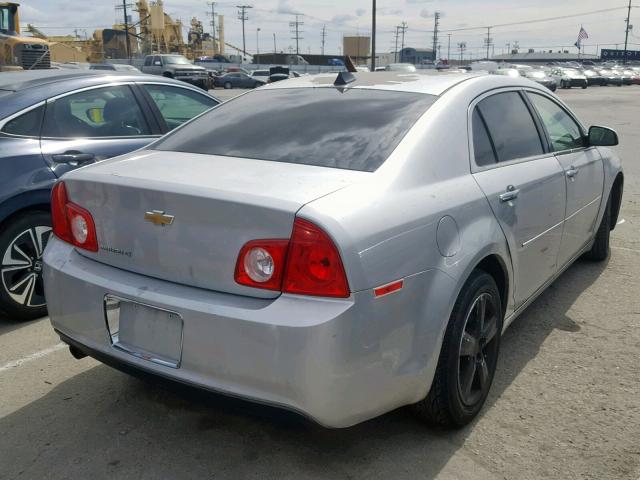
(511, 194)
(73, 158)
(572, 172)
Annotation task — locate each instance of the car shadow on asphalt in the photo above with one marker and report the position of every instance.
(115, 424)
(9, 325)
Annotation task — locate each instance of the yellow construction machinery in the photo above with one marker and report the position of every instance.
(17, 52)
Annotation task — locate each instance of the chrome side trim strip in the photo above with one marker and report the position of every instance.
(541, 234)
(581, 209)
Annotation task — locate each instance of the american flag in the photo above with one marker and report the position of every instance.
(581, 36)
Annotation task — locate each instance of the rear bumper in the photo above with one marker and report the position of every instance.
(337, 361)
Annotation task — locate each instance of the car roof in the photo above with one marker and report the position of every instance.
(26, 88)
(432, 83)
(428, 83)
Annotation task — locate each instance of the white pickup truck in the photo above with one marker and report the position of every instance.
(178, 67)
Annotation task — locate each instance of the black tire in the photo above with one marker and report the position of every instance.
(465, 361)
(167, 75)
(584, 87)
(600, 249)
(22, 243)
(228, 85)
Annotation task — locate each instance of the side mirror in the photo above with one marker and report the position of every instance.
(602, 137)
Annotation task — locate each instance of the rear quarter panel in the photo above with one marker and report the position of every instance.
(25, 179)
(390, 227)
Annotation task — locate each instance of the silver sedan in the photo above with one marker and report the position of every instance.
(339, 247)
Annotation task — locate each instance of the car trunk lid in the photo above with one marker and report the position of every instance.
(211, 205)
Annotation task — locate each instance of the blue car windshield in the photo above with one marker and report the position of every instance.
(355, 130)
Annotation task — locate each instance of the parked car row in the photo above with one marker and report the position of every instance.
(568, 76)
(240, 78)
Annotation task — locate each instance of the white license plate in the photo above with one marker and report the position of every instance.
(145, 331)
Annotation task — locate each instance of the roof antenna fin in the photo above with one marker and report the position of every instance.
(344, 78)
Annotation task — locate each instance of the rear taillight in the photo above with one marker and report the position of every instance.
(307, 264)
(261, 264)
(314, 266)
(71, 222)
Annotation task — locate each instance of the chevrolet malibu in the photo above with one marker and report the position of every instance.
(339, 247)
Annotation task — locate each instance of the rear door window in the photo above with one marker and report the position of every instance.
(26, 125)
(482, 147)
(510, 126)
(178, 105)
(356, 129)
(100, 112)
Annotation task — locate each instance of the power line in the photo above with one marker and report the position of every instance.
(295, 25)
(539, 20)
(242, 15)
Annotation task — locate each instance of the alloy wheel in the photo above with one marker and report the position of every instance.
(478, 349)
(21, 268)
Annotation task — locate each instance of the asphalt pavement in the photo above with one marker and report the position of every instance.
(565, 403)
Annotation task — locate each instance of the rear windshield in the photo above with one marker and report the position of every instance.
(354, 130)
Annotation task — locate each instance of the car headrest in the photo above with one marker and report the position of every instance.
(117, 109)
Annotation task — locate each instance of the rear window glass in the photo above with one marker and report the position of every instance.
(354, 130)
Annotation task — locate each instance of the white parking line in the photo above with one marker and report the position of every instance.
(33, 356)
(626, 249)
(621, 222)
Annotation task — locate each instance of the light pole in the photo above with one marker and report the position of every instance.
(258, 44)
(274, 48)
(373, 37)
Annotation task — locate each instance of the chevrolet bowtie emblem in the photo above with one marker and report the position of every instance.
(158, 217)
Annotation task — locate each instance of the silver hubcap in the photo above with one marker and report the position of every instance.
(21, 268)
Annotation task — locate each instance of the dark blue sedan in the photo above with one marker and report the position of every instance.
(52, 122)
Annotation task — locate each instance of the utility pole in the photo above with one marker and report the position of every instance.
(404, 29)
(274, 48)
(373, 37)
(324, 36)
(126, 25)
(242, 15)
(296, 31)
(462, 46)
(488, 41)
(436, 17)
(449, 48)
(395, 50)
(213, 25)
(258, 43)
(626, 35)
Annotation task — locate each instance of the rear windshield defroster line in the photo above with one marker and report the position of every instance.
(354, 130)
